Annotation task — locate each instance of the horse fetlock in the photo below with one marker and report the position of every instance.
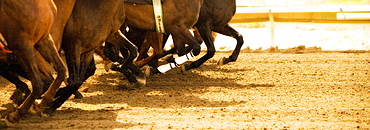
(141, 80)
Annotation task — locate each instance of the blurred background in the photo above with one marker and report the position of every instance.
(250, 3)
(326, 24)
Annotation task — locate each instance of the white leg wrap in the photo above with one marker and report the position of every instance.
(166, 67)
(179, 60)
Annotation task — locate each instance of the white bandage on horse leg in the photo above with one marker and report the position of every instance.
(182, 59)
(178, 61)
(166, 67)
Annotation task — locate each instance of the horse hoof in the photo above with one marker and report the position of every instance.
(185, 67)
(3, 124)
(78, 95)
(221, 61)
(42, 114)
(141, 80)
(108, 66)
(35, 107)
(47, 112)
(16, 94)
(17, 97)
(32, 110)
(7, 122)
(150, 71)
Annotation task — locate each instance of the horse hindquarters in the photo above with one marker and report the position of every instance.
(31, 28)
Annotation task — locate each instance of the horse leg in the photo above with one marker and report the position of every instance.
(43, 66)
(229, 31)
(143, 57)
(28, 63)
(107, 62)
(48, 50)
(198, 36)
(75, 78)
(21, 91)
(182, 37)
(112, 52)
(131, 71)
(155, 41)
(206, 34)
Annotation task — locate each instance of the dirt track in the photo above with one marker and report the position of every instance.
(260, 90)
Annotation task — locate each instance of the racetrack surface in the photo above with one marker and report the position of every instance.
(259, 91)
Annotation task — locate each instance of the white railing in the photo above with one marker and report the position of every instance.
(269, 3)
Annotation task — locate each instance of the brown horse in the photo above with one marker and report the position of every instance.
(178, 16)
(214, 17)
(91, 23)
(25, 25)
(12, 70)
(154, 40)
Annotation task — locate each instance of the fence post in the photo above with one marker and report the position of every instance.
(271, 18)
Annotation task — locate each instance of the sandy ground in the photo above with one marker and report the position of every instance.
(259, 91)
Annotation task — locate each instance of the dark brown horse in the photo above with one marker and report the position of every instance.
(25, 25)
(91, 23)
(178, 16)
(214, 17)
